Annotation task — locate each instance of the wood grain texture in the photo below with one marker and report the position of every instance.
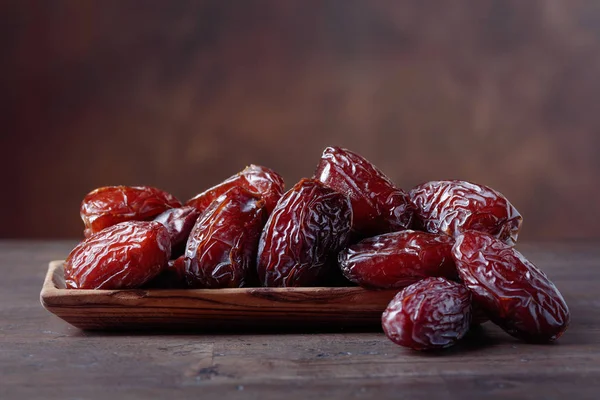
(244, 309)
(183, 94)
(42, 357)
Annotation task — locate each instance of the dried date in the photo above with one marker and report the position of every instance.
(179, 222)
(107, 206)
(434, 313)
(221, 249)
(513, 292)
(452, 207)
(255, 178)
(308, 227)
(123, 256)
(398, 259)
(378, 206)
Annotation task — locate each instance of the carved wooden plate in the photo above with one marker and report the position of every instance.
(245, 309)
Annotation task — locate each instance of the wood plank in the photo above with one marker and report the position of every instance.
(42, 357)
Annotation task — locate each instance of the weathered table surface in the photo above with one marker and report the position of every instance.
(43, 357)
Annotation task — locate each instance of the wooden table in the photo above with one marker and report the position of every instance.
(43, 357)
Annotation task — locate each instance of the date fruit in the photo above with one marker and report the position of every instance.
(179, 222)
(378, 206)
(513, 292)
(431, 314)
(308, 227)
(452, 207)
(107, 206)
(221, 249)
(398, 259)
(122, 256)
(255, 178)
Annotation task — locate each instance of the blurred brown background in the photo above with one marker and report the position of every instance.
(182, 94)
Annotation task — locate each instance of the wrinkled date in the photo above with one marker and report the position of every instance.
(256, 179)
(179, 222)
(221, 249)
(308, 227)
(452, 207)
(107, 206)
(378, 206)
(514, 293)
(431, 314)
(122, 256)
(398, 259)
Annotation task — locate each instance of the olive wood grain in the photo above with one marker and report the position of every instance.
(211, 309)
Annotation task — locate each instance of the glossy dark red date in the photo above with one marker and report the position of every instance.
(179, 222)
(308, 227)
(513, 292)
(452, 207)
(398, 259)
(254, 178)
(378, 206)
(110, 205)
(221, 249)
(122, 256)
(434, 313)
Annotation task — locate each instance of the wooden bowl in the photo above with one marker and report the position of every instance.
(239, 310)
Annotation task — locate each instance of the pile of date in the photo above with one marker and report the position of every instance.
(446, 246)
